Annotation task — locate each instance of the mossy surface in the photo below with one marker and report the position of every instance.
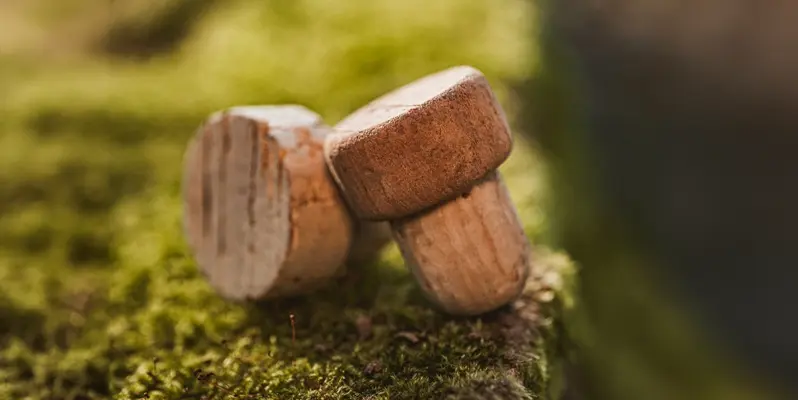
(98, 296)
(158, 330)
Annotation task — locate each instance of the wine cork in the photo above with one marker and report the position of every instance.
(263, 216)
(469, 254)
(419, 145)
(424, 157)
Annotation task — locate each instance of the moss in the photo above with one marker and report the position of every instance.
(158, 330)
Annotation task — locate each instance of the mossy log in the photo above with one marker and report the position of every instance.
(158, 330)
(163, 333)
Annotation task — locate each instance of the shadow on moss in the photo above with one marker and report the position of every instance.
(16, 321)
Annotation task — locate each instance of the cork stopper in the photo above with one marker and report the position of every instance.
(263, 216)
(420, 145)
(470, 255)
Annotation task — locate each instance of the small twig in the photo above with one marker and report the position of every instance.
(293, 328)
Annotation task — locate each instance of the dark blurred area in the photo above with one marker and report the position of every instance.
(681, 167)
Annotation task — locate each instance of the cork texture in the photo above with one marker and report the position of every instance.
(420, 145)
(469, 255)
(263, 216)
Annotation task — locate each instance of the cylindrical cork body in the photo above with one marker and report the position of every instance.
(470, 255)
(262, 214)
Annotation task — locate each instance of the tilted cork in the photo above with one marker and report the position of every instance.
(420, 145)
(470, 255)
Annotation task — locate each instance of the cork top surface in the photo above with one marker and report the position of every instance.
(419, 145)
(282, 121)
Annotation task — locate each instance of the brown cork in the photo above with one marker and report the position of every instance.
(470, 255)
(420, 145)
(263, 216)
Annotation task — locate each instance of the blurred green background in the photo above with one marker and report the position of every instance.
(98, 99)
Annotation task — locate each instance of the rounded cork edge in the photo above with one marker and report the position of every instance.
(379, 184)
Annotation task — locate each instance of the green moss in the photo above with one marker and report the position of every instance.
(157, 328)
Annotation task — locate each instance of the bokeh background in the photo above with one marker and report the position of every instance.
(100, 97)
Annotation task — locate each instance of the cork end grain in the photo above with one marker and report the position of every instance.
(420, 145)
(263, 217)
(469, 255)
